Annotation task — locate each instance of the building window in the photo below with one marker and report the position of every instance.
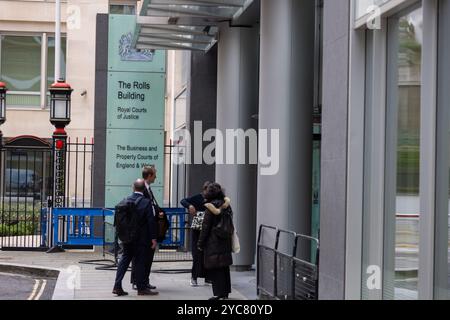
(402, 207)
(392, 133)
(22, 58)
(122, 9)
(21, 69)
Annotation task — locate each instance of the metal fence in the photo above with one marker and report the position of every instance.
(26, 188)
(79, 173)
(175, 248)
(287, 266)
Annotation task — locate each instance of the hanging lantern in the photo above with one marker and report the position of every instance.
(60, 103)
(2, 102)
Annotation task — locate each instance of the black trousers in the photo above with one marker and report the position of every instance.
(148, 268)
(221, 281)
(139, 254)
(197, 257)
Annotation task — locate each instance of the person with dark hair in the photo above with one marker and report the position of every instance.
(216, 248)
(196, 207)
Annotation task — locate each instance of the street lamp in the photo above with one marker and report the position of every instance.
(2, 108)
(60, 104)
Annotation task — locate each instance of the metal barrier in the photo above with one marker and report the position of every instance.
(177, 245)
(176, 236)
(283, 271)
(175, 248)
(75, 226)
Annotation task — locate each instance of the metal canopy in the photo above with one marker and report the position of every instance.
(184, 24)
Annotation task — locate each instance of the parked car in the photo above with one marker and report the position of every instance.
(22, 183)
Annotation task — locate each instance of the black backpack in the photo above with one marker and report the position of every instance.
(126, 221)
(225, 227)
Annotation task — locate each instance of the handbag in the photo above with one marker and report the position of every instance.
(197, 221)
(235, 245)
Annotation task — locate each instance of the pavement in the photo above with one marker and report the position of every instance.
(78, 281)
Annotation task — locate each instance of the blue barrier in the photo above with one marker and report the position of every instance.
(176, 234)
(79, 226)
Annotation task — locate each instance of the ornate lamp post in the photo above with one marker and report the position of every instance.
(60, 107)
(2, 108)
(60, 104)
(2, 121)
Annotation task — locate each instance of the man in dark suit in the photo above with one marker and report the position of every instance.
(139, 251)
(149, 176)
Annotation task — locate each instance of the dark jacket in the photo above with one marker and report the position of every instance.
(198, 201)
(162, 222)
(149, 196)
(147, 230)
(217, 251)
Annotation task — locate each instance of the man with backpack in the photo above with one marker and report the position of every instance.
(136, 229)
(162, 223)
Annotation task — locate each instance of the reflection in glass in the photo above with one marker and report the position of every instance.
(21, 62)
(362, 6)
(402, 213)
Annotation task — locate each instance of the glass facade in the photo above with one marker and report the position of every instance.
(392, 134)
(363, 7)
(403, 209)
(21, 61)
(442, 222)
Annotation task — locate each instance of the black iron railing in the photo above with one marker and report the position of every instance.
(287, 266)
(26, 184)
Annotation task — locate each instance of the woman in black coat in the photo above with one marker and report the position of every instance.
(217, 250)
(195, 204)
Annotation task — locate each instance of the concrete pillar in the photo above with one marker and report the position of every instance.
(286, 103)
(202, 105)
(237, 104)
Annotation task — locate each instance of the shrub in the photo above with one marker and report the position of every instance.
(20, 229)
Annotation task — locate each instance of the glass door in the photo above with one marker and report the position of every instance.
(402, 179)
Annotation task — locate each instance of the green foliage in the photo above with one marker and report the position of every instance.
(19, 229)
(20, 211)
(408, 170)
(19, 219)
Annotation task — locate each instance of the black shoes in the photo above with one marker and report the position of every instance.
(147, 292)
(120, 292)
(149, 287)
(219, 298)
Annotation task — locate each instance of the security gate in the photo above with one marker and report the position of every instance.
(26, 189)
(25, 186)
